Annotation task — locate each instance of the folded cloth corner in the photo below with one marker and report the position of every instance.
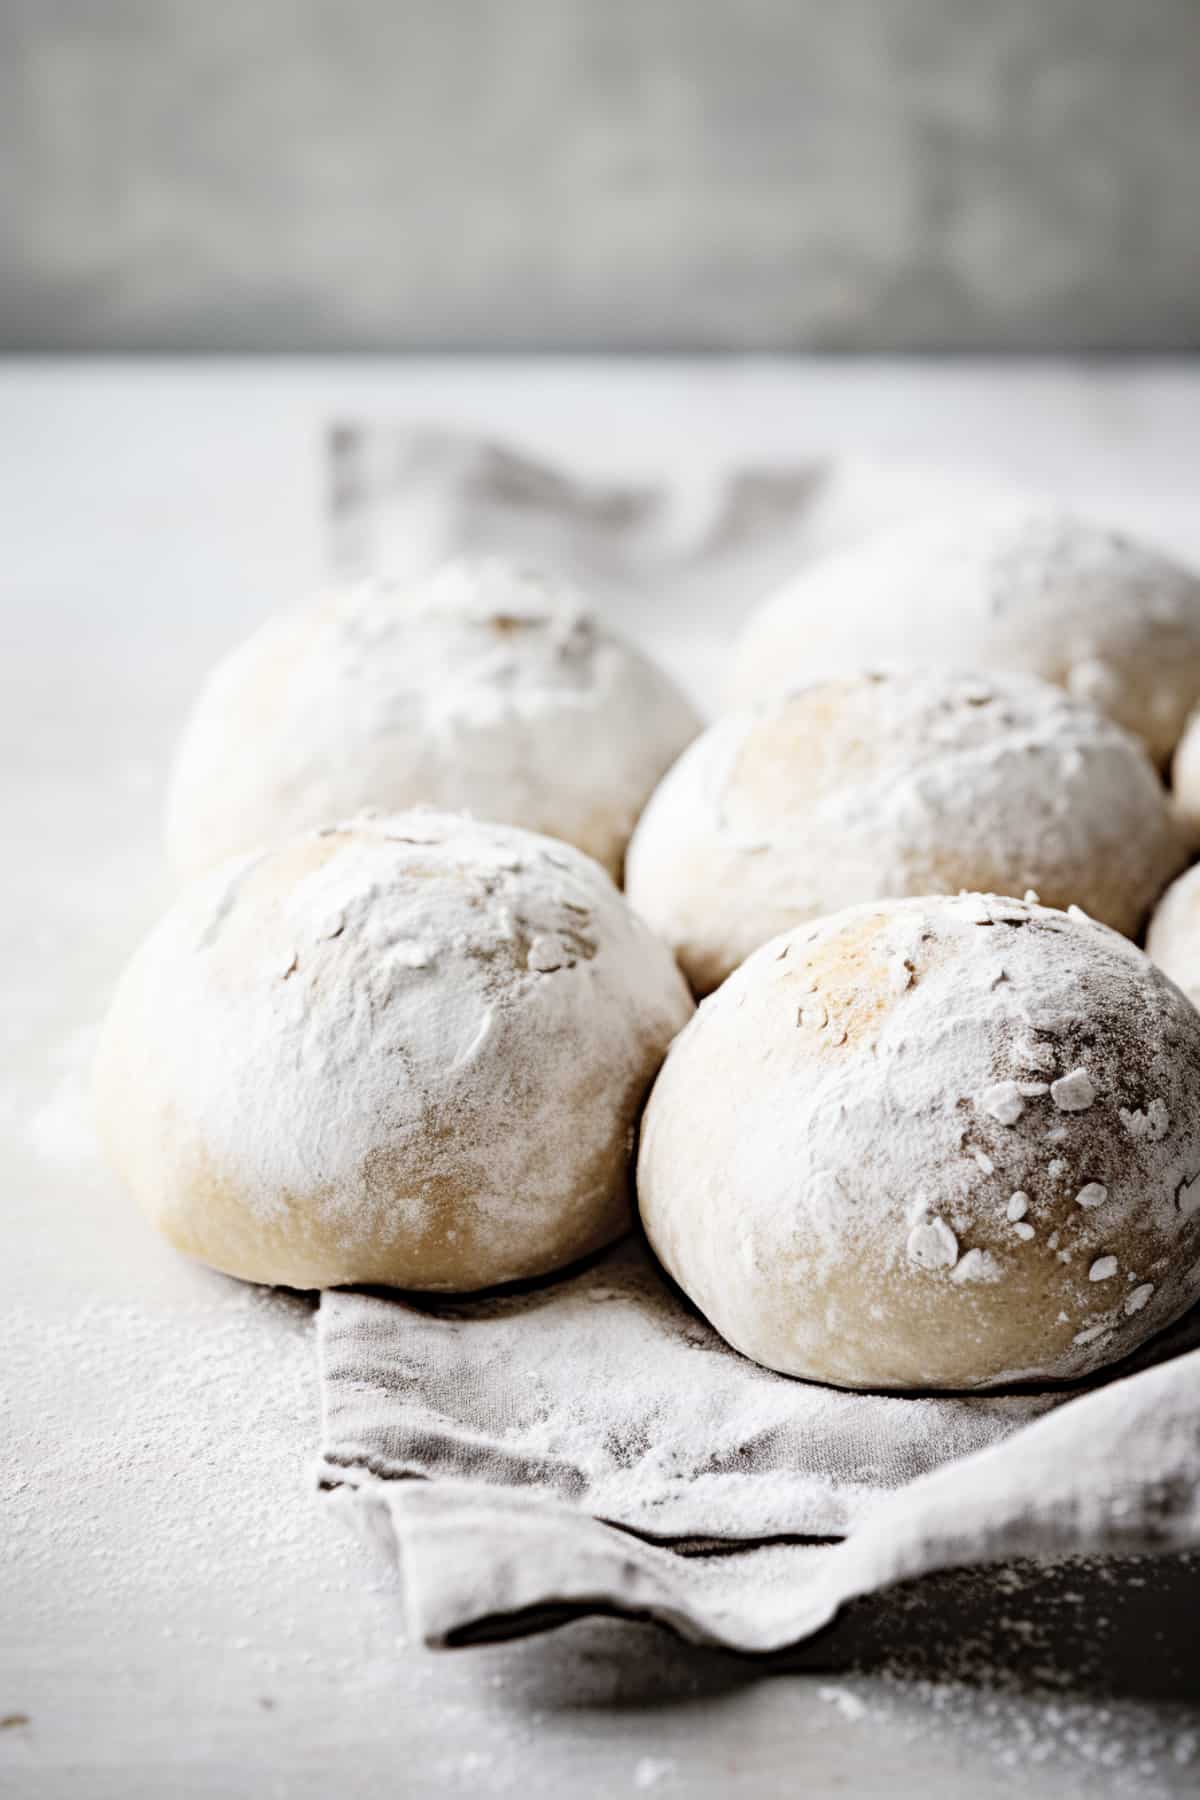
(592, 1445)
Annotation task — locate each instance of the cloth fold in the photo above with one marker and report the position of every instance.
(592, 1445)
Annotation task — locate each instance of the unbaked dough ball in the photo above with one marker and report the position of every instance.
(486, 688)
(1173, 939)
(897, 784)
(410, 1050)
(935, 1143)
(1011, 586)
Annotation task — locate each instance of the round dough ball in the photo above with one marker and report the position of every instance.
(485, 688)
(1173, 938)
(1007, 587)
(886, 785)
(933, 1143)
(409, 1050)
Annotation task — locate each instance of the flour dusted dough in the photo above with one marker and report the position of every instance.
(409, 1050)
(1011, 586)
(897, 784)
(933, 1143)
(1173, 937)
(486, 688)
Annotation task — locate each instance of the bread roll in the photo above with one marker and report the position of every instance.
(409, 1050)
(485, 688)
(907, 783)
(1012, 586)
(933, 1143)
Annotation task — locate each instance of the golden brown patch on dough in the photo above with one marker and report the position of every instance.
(793, 747)
(898, 1326)
(437, 1245)
(895, 1325)
(208, 1216)
(294, 1244)
(848, 973)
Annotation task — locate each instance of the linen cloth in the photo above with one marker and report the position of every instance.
(589, 1444)
(676, 563)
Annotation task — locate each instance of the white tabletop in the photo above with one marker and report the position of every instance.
(179, 1613)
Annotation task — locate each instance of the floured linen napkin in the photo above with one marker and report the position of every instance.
(590, 1444)
(677, 564)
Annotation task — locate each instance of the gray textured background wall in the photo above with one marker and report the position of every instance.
(879, 174)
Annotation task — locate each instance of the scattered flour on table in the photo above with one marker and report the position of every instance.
(155, 1488)
(649, 1771)
(1026, 1680)
(60, 1129)
(846, 1701)
(1021, 1733)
